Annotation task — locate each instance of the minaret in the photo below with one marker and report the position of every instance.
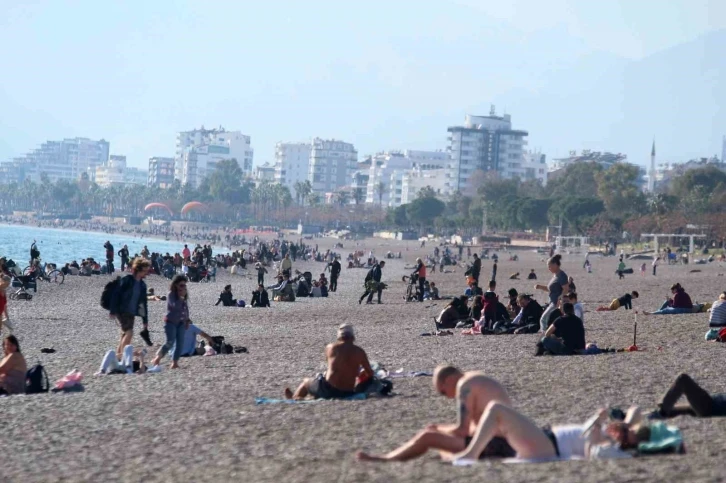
(651, 174)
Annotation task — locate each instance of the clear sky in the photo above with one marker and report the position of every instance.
(381, 74)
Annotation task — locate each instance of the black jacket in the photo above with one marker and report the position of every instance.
(335, 268)
(123, 293)
(377, 273)
(226, 299)
(260, 299)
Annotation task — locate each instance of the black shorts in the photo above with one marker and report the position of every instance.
(320, 388)
(718, 406)
(498, 447)
(547, 430)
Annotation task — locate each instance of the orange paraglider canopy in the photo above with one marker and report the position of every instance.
(158, 205)
(192, 205)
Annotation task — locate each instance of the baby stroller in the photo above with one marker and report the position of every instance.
(23, 283)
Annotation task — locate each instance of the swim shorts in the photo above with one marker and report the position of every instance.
(498, 447)
(320, 388)
(614, 305)
(547, 430)
(126, 321)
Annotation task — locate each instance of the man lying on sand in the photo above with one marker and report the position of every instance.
(473, 392)
(345, 361)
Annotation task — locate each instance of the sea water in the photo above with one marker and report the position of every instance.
(62, 246)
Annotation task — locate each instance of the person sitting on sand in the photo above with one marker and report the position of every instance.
(700, 403)
(514, 276)
(476, 308)
(532, 275)
(190, 346)
(434, 291)
(679, 304)
(132, 361)
(346, 361)
(572, 298)
(473, 392)
(226, 298)
(626, 301)
(260, 298)
(590, 440)
(717, 319)
(13, 368)
(530, 313)
(566, 335)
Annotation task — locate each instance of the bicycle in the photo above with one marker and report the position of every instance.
(52, 276)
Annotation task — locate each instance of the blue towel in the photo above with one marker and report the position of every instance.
(267, 400)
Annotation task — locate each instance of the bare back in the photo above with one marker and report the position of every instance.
(345, 360)
(476, 391)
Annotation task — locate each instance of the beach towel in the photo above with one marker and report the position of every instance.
(402, 373)
(267, 400)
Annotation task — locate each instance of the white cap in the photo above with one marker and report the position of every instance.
(346, 330)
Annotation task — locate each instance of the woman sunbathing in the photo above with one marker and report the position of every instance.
(590, 440)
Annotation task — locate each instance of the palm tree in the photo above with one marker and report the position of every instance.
(304, 190)
(358, 196)
(343, 198)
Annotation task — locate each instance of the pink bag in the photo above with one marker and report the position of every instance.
(71, 379)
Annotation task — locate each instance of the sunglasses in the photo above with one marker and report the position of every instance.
(182, 285)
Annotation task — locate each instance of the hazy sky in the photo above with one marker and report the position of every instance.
(381, 74)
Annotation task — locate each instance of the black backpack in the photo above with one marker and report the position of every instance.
(108, 292)
(36, 380)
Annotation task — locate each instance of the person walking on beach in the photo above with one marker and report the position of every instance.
(373, 283)
(334, 273)
(109, 257)
(286, 265)
(129, 301)
(655, 264)
(556, 287)
(124, 255)
(176, 321)
(34, 253)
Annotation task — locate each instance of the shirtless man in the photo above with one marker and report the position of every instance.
(345, 361)
(473, 392)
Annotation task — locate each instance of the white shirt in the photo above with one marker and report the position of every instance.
(579, 312)
(570, 440)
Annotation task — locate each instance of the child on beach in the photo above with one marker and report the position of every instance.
(643, 267)
(626, 301)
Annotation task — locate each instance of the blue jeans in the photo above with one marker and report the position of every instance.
(555, 346)
(672, 310)
(174, 338)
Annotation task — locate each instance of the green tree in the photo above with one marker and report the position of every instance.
(426, 192)
(576, 180)
(397, 216)
(617, 188)
(579, 213)
(422, 211)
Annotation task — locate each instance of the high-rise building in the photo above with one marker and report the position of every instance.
(65, 159)
(264, 173)
(387, 170)
(486, 143)
(161, 172)
(116, 172)
(198, 151)
(292, 164)
(332, 163)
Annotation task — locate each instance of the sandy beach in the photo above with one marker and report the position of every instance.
(201, 423)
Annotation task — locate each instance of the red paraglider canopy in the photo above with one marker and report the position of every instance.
(192, 205)
(158, 205)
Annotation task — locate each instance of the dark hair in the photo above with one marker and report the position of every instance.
(512, 292)
(478, 301)
(228, 287)
(14, 341)
(555, 260)
(176, 281)
(634, 294)
(524, 296)
(568, 308)
(676, 286)
(492, 283)
(572, 295)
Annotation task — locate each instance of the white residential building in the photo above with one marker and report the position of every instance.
(198, 151)
(532, 166)
(387, 170)
(416, 179)
(66, 159)
(486, 143)
(332, 164)
(292, 163)
(116, 172)
(265, 173)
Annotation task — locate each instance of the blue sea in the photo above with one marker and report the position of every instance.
(62, 246)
